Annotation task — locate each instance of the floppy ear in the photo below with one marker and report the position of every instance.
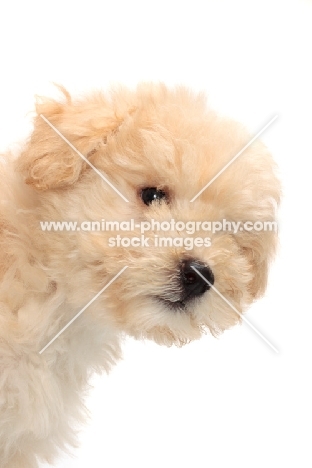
(259, 204)
(48, 162)
(259, 248)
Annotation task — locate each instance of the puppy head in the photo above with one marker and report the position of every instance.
(159, 148)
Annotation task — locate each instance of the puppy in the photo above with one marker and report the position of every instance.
(139, 157)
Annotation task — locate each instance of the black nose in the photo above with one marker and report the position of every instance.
(192, 282)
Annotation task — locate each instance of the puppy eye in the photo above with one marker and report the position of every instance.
(150, 194)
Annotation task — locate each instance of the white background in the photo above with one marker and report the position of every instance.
(218, 402)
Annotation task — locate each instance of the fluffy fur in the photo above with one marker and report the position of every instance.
(151, 137)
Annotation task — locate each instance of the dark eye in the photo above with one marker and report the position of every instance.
(151, 194)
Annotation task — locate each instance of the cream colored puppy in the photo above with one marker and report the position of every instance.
(158, 148)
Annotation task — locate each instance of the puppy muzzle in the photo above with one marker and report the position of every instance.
(194, 280)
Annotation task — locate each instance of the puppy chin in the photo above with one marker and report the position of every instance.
(163, 323)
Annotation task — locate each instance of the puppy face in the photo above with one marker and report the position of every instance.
(159, 148)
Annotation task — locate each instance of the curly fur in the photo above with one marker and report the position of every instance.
(152, 137)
